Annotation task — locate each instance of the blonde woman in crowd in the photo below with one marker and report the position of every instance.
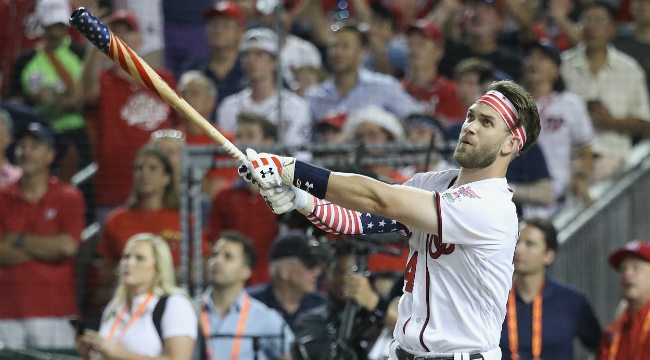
(127, 330)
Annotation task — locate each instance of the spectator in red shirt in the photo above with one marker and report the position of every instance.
(152, 207)
(627, 336)
(122, 116)
(40, 229)
(239, 206)
(435, 92)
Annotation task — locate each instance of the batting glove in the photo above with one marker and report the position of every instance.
(285, 198)
(268, 170)
(245, 174)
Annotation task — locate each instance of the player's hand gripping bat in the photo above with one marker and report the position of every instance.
(98, 34)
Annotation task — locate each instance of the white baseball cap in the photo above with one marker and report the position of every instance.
(375, 115)
(259, 38)
(50, 12)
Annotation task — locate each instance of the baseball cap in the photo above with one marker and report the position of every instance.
(41, 132)
(127, 17)
(50, 12)
(259, 38)
(294, 244)
(547, 48)
(635, 248)
(428, 29)
(334, 119)
(375, 115)
(228, 9)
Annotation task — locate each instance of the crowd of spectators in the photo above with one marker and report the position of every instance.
(366, 72)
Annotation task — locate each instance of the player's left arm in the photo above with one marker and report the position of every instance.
(408, 205)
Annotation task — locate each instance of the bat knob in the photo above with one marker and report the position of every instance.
(91, 28)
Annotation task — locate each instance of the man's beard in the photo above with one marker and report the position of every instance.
(476, 157)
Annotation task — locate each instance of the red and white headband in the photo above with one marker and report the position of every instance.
(508, 112)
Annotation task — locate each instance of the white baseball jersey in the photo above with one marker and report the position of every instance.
(457, 281)
(296, 119)
(565, 125)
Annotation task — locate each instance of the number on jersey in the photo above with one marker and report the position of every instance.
(409, 272)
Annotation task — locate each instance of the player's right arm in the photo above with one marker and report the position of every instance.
(410, 206)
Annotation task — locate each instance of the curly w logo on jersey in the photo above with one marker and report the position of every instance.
(452, 195)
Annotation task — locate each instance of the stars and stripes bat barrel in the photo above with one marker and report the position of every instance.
(100, 36)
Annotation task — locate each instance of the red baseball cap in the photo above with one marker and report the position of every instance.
(228, 9)
(334, 119)
(428, 29)
(636, 248)
(127, 17)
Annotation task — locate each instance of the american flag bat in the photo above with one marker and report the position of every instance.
(100, 36)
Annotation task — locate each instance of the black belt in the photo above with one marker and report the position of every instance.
(405, 355)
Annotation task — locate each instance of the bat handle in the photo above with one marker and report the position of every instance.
(91, 28)
(234, 151)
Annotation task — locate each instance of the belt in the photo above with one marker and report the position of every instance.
(405, 355)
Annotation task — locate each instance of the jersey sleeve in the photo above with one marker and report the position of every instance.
(467, 219)
(179, 318)
(333, 218)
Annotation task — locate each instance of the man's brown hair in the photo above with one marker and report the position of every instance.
(268, 129)
(526, 107)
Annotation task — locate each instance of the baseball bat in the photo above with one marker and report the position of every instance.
(111, 45)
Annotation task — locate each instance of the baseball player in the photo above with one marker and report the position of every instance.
(462, 225)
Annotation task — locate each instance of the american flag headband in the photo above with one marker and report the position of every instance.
(508, 112)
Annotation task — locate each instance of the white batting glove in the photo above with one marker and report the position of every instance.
(268, 170)
(285, 198)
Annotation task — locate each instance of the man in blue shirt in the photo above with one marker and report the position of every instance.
(225, 25)
(544, 316)
(295, 269)
(351, 88)
(238, 326)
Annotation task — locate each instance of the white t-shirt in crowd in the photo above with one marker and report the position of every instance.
(296, 119)
(179, 319)
(457, 281)
(565, 126)
(620, 85)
